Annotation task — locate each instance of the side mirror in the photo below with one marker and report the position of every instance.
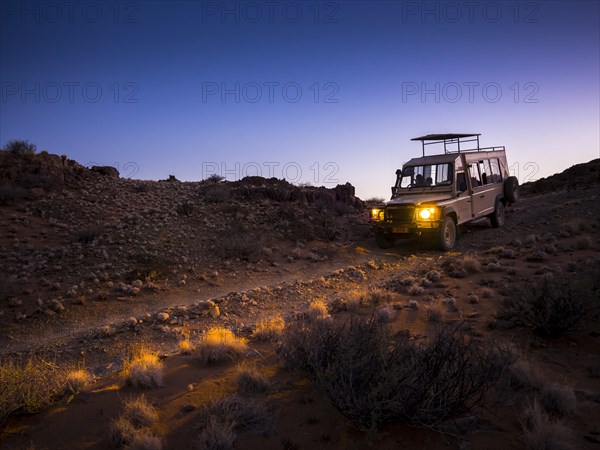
(393, 190)
(398, 171)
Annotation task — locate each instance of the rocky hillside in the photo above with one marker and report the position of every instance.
(577, 176)
(72, 234)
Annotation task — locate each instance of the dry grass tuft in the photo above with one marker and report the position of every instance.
(470, 263)
(317, 309)
(433, 275)
(139, 412)
(268, 329)
(185, 346)
(435, 312)
(385, 314)
(220, 344)
(146, 440)
(413, 304)
(78, 379)
(121, 432)
(544, 433)
(220, 421)
(144, 370)
(29, 387)
(416, 290)
(216, 435)
(250, 380)
(523, 375)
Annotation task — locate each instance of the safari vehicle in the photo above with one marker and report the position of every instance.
(434, 194)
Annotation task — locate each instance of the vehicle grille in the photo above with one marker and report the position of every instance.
(400, 214)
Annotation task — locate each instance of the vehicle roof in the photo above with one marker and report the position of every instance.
(441, 137)
(433, 159)
(451, 157)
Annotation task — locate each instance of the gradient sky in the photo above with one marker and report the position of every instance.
(320, 92)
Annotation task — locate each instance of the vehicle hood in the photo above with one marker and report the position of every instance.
(419, 198)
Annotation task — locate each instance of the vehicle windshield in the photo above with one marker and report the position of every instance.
(427, 175)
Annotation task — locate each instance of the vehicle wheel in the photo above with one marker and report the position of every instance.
(498, 216)
(384, 240)
(446, 237)
(511, 189)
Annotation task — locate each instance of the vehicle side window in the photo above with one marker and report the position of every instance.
(474, 172)
(486, 172)
(461, 182)
(496, 172)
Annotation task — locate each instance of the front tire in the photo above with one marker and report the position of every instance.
(446, 237)
(498, 217)
(384, 240)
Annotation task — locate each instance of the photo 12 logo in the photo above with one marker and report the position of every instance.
(68, 12)
(68, 92)
(293, 172)
(227, 12)
(269, 92)
(470, 12)
(469, 91)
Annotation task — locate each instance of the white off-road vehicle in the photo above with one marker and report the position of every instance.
(434, 194)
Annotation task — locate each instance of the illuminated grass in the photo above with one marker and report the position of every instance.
(144, 370)
(78, 379)
(30, 386)
(220, 344)
(267, 329)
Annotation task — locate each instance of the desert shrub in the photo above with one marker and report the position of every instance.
(30, 386)
(78, 379)
(250, 380)
(245, 414)
(220, 344)
(20, 147)
(554, 306)
(214, 178)
(267, 329)
(391, 377)
(541, 432)
(145, 369)
(139, 412)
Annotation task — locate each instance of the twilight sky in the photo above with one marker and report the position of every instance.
(311, 91)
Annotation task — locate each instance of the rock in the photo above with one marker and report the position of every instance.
(108, 171)
(162, 317)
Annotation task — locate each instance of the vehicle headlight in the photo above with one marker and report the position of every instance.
(427, 213)
(377, 214)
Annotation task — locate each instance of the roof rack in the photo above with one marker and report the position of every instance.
(454, 139)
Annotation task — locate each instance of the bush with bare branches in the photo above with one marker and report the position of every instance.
(391, 377)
